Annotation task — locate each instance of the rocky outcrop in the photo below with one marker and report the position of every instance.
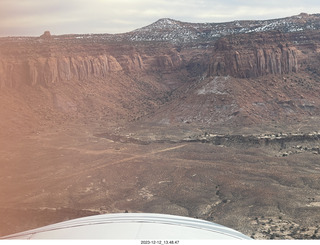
(43, 71)
(54, 69)
(46, 35)
(252, 61)
(51, 66)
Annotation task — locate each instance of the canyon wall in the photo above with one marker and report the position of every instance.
(44, 67)
(249, 61)
(39, 61)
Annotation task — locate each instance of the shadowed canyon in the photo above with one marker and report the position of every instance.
(218, 121)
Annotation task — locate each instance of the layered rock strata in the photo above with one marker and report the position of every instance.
(53, 67)
(248, 61)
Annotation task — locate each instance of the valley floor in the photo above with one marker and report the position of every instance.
(56, 175)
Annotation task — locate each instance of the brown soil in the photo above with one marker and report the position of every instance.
(57, 175)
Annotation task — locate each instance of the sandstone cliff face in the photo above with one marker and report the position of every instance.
(45, 62)
(252, 61)
(44, 71)
(54, 69)
(38, 67)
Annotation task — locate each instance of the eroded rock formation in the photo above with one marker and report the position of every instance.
(52, 67)
(253, 60)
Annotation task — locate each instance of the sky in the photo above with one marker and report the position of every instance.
(33, 17)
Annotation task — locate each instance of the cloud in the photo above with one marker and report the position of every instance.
(32, 17)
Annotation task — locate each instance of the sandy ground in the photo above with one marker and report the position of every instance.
(53, 175)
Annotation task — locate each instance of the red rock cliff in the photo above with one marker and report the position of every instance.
(251, 58)
(49, 62)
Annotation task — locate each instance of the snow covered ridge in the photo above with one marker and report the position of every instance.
(176, 31)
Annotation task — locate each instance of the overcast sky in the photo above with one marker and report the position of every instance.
(33, 17)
